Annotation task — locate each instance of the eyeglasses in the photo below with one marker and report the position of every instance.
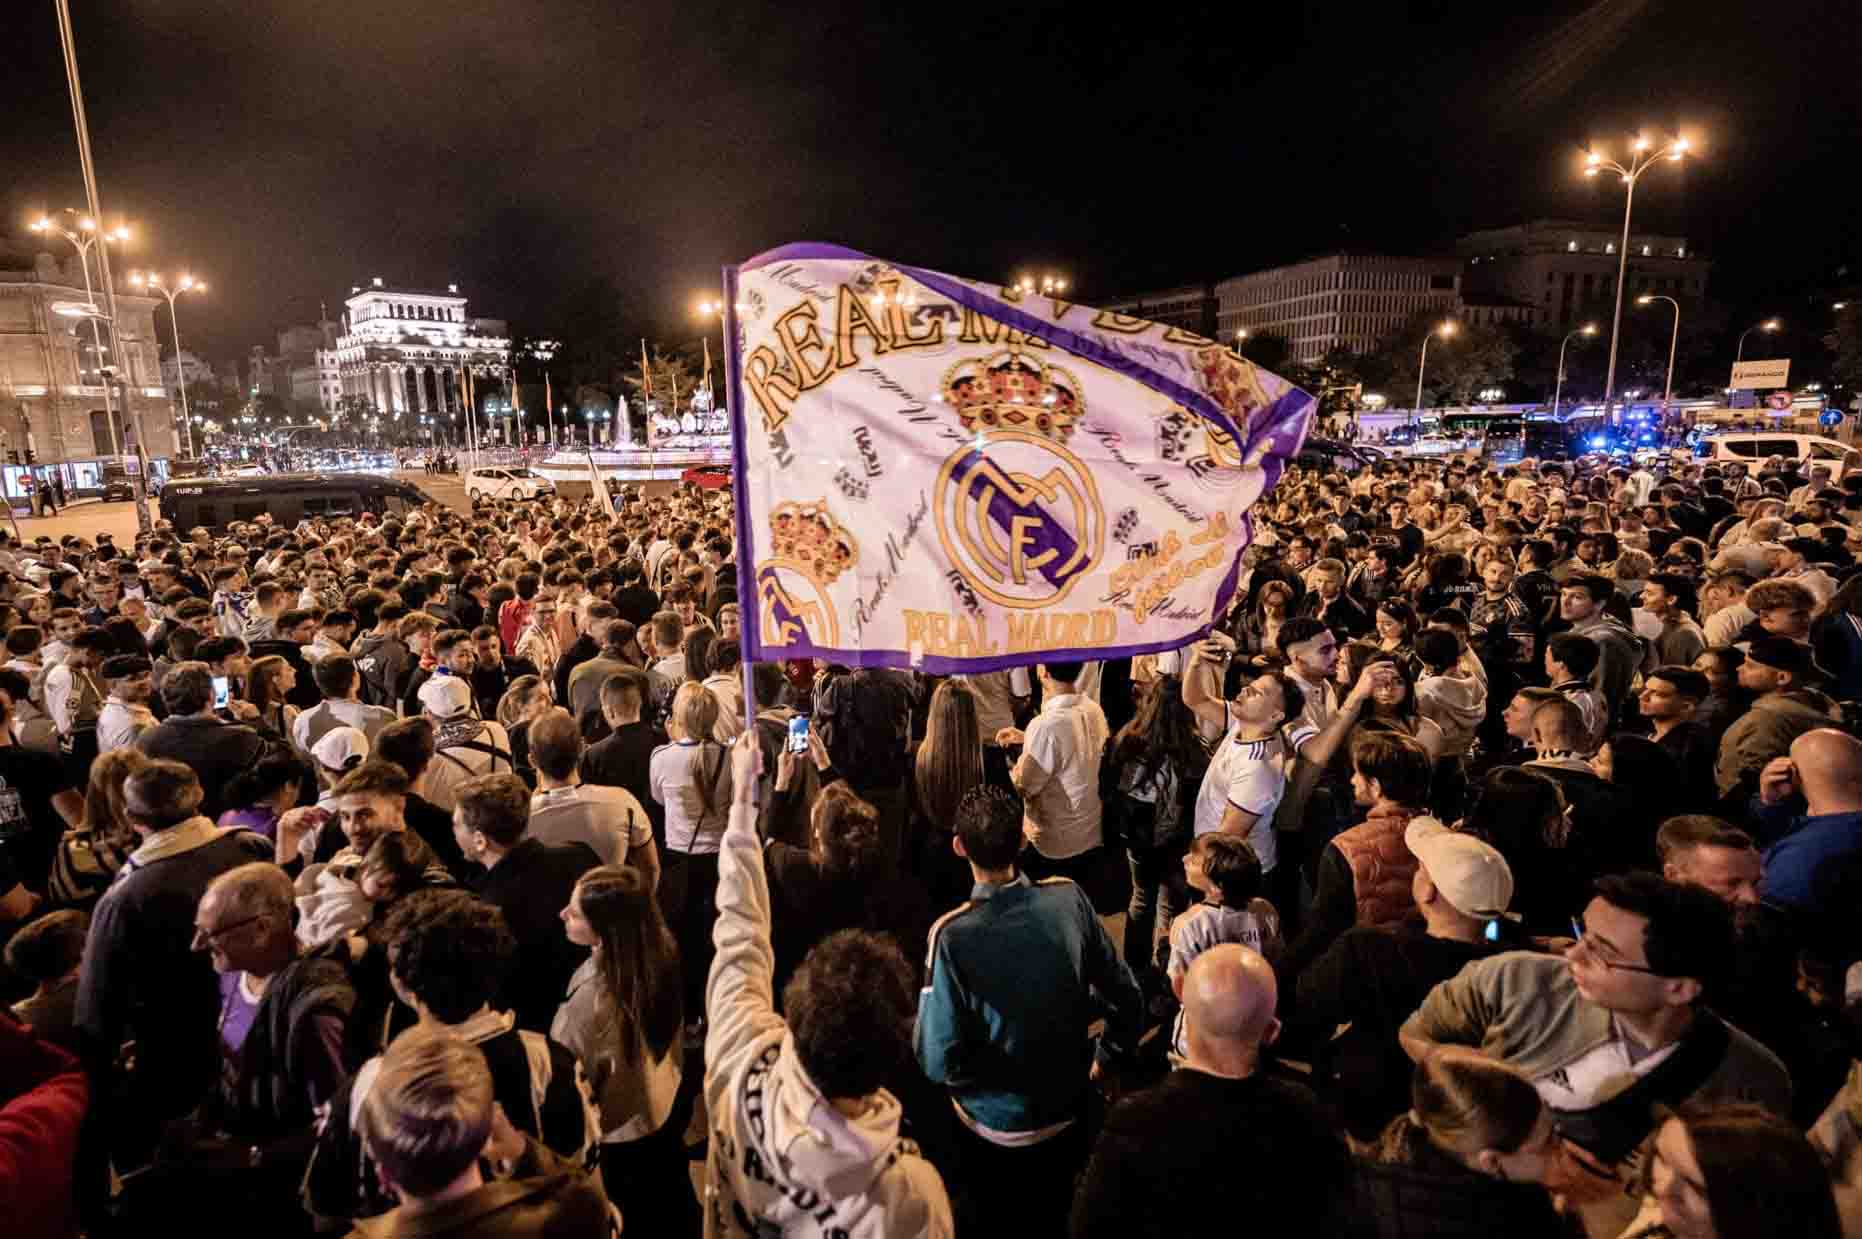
(212, 936)
(1583, 943)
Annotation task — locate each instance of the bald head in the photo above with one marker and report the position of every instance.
(1829, 767)
(1229, 996)
(257, 889)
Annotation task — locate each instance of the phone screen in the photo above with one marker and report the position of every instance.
(222, 692)
(798, 734)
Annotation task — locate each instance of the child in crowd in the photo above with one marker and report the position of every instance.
(1226, 871)
(353, 892)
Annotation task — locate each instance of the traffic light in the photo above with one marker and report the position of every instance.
(12, 457)
(31, 456)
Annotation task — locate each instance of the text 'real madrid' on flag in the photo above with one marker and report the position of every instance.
(940, 473)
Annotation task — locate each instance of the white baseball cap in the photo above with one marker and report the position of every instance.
(445, 696)
(1471, 875)
(341, 748)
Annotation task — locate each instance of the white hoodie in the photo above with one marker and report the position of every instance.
(1456, 704)
(783, 1161)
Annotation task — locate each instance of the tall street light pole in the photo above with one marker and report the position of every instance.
(1445, 330)
(1674, 338)
(1643, 155)
(68, 41)
(186, 284)
(83, 236)
(1588, 329)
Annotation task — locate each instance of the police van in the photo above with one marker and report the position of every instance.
(287, 497)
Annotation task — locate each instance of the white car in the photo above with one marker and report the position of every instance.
(506, 482)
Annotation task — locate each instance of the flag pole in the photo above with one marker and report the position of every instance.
(748, 608)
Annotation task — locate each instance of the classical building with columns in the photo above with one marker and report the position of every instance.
(406, 351)
(53, 371)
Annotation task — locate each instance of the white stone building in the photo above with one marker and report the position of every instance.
(407, 351)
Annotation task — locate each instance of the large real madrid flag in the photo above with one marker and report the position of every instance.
(938, 473)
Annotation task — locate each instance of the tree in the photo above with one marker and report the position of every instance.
(1268, 351)
(1845, 342)
(671, 374)
(1476, 356)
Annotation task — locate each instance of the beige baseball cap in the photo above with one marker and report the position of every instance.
(1471, 875)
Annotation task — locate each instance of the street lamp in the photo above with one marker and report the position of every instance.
(185, 284)
(1643, 155)
(1446, 329)
(1050, 285)
(1739, 354)
(1588, 329)
(1674, 338)
(83, 234)
(1770, 324)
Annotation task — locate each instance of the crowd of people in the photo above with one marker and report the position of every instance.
(1486, 870)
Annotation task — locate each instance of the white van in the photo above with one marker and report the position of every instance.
(1755, 447)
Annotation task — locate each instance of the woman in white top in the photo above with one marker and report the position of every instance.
(624, 1018)
(691, 777)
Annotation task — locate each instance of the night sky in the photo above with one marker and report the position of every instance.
(286, 149)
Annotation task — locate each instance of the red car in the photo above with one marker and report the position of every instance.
(710, 477)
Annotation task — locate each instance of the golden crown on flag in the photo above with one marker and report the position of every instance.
(808, 536)
(1013, 391)
(1231, 382)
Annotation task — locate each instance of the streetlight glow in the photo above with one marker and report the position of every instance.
(1644, 153)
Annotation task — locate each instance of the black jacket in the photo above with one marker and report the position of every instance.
(584, 648)
(621, 760)
(532, 884)
(1170, 1161)
(141, 978)
(214, 749)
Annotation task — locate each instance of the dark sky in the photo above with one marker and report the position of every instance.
(287, 149)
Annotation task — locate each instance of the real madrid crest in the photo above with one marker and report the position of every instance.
(1018, 514)
(809, 550)
(1210, 453)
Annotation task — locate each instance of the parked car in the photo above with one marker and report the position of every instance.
(287, 497)
(506, 482)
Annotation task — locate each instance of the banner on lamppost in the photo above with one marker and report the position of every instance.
(1774, 373)
(939, 473)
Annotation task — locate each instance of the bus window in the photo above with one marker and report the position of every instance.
(249, 510)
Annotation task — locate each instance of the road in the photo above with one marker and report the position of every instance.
(90, 518)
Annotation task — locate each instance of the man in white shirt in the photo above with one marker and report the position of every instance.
(563, 809)
(73, 697)
(130, 679)
(1247, 777)
(1058, 775)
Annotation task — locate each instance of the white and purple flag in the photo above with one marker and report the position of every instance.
(939, 473)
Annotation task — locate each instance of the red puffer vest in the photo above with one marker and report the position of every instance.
(1382, 866)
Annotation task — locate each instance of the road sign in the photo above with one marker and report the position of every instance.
(1830, 417)
(1773, 373)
